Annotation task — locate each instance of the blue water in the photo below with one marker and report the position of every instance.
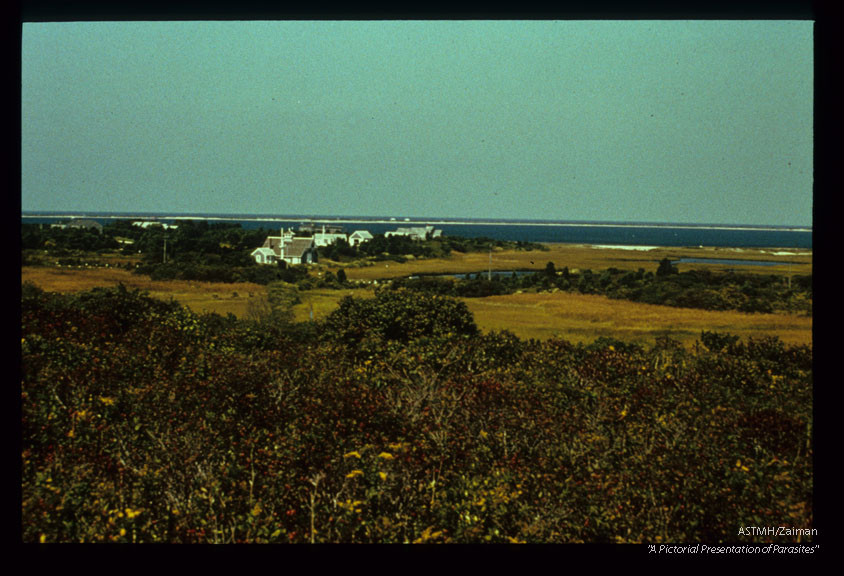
(634, 234)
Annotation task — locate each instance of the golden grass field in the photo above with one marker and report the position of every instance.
(582, 257)
(575, 317)
(198, 296)
(584, 317)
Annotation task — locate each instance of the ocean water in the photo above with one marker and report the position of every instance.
(595, 233)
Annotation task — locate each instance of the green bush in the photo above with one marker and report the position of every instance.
(398, 315)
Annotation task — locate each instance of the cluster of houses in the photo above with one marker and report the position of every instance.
(292, 249)
(287, 247)
(84, 223)
(416, 232)
(94, 225)
(154, 224)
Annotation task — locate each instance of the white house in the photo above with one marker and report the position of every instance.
(325, 238)
(264, 255)
(286, 248)
(299, 251)
(359, 237)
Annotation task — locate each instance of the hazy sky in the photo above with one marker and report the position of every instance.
(663, 121)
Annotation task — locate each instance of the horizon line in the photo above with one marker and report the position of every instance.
(398, 220)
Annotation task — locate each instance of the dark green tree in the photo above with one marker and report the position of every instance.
(399, 315)
(666, 268)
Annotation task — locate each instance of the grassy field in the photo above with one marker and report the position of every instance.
(198, 296)
(583, 318)
(584, 257)
(576, 317)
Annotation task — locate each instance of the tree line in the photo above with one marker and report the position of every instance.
(221, 251)
(665, 286)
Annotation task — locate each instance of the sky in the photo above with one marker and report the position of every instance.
(641, 121)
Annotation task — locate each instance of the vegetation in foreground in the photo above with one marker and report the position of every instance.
(395, 421)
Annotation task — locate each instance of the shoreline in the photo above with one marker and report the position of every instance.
(411, 222)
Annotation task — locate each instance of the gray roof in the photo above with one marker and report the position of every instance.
(297, 247)
(273, 242)
(293, 247)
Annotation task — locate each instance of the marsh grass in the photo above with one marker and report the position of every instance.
(576, 317)
(581, 258)
(200, 297)
(583, 318)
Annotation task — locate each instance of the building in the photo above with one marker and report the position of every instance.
(416, 232)
(264, 255)
(299, 251)
(326, 238)
(358, 237)
(82, 223)
(154, 224)
(311, 228)
(286, 248)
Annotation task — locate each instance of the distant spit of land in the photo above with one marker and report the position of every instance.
(406, 221)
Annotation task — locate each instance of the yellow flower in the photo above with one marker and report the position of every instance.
(123, 531)
(132, 513)
(385, 456)
(428, 534)
(107, 401)
(354, 454)
(350, 505)
(354, 473)
(383, 475)
(43, 538)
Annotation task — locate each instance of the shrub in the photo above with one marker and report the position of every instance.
(399, 315)
(143, 422)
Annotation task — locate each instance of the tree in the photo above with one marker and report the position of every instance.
(399, 315)
(666, 268)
